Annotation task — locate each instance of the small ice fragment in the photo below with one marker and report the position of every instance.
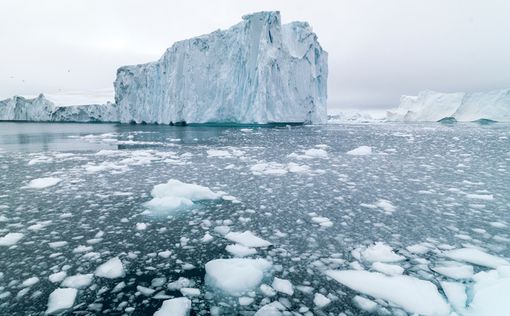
(320, 300)
(42, 183)
(240, 251)
(30, 281)
(78, 281)
(111, 269)
(476, 256)
(180, 306)
(60, 300)
(360, 151)
(380, 252)
(10, 239)
(236, 276)
(283, 286)
(247, 239)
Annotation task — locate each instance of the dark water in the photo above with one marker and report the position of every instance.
(426, 171)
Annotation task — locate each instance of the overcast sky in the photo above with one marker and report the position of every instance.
(377, 49)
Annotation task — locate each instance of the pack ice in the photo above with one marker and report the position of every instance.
(430, 106)
(257, 71)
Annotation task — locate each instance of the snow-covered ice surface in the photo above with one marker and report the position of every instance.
(428, 209)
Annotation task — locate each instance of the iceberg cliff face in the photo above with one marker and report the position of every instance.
(430, 106)
(258, 71)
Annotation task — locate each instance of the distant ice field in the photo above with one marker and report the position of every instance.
(383, 219)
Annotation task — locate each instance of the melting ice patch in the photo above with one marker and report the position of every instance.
(360, 151)
(42, 183)
(236, 276)
(412, 294)
(180, 306)
(11, 239)
(175, 195)
(60, 300)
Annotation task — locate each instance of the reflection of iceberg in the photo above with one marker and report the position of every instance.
(430, 106)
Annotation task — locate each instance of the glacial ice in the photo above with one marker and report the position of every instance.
(430, 106)
(258, 71)
(10, 239)
(111, 269)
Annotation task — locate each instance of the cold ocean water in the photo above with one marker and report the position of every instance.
(425, 205)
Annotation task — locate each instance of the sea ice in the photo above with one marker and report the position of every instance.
(111, 269)
(360, 151)
(283, 286)
(320, 300)
(240, 251)
(42, 183)
(412, 294)
(11, 239)
(247, 239)
(175, 195)
(476, 256)
(78, 281)
(236, 276)
(380, 252)
(60, 300)
(180, 306)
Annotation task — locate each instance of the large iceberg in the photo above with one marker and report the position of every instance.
(257, 71)
(430, 106)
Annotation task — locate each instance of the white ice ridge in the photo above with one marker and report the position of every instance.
(257, 71)
(433, 106)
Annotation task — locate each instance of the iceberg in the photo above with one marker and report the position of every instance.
(430, 106)
(40, 109)
(258, 71)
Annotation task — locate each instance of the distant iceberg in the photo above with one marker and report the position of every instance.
(430, 106)
(41, 109)
(257, 71)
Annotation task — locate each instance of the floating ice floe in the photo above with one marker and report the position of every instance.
(412, 294)
(236, 276)
(360, 151)
(476, 256)
(388, 269)
(111, 269)
(175, 195)
(320, 300)
(180, 306)
(490, 293)
(247, 239)
(454, 270)
(380, 252)
(312, 153)
(78, 281)
(240, 251)
(42, 183)
(283, 286)
(11, 239)
(278, 169)
(60, 300)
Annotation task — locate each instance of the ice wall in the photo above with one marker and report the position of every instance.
(258, 71)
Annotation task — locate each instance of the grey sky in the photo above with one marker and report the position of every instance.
(378, 49)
